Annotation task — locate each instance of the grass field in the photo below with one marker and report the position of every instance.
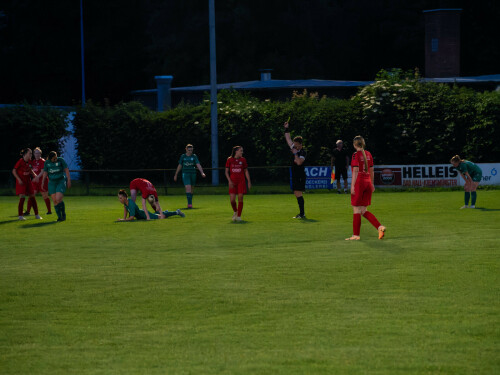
(270, 295)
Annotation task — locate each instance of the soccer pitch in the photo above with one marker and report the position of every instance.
(270, 295)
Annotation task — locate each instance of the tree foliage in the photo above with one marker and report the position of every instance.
(403, 119)
(30, 126)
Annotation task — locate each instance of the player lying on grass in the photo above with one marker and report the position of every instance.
(472, 175)
(134, 212)
(362, 188)
(148, 191)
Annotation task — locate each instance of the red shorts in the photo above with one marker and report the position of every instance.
(37, 187)
(146, 193)
(240, 187)
(363, 193)
(26, 188)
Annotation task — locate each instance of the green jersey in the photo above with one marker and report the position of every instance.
(189, 163)
(134, 210)
(55, 170)
(468, 166)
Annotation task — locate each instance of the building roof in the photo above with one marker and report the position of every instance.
(475, 79)
(276, 84)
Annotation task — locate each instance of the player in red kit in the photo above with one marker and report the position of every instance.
(146, 188)
(37, 165)
(236, 171)
(362, 187)
(23, 172)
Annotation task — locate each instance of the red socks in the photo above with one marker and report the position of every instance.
(356, 224)
(47, 203)
(240, 208)
(372, 219)
(32, 202)
(20, 206)
(233, 205)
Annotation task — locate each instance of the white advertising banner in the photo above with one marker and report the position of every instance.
(430, 175)
(397, 176)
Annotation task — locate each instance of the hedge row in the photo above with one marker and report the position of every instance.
(403, 119)
(29, 126)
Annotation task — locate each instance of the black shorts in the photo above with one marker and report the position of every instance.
(340, 172)
(299, 183)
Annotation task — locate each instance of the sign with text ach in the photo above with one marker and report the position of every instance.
(316, 178)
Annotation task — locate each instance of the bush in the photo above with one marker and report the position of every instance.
(403, 119)
(30, 126)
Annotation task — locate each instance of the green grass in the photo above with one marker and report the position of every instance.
(270, 295)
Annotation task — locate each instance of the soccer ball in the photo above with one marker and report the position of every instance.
(151, 198)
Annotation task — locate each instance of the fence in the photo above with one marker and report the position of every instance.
(97, 182)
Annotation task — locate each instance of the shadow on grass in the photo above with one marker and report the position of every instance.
(487, 209)
(9, 221)
(240, 222)
(39, 224)
(306, 221)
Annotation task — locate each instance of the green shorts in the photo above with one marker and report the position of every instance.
(189, 178)
(57, 186)
(477, 177)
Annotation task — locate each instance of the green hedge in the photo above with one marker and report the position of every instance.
(403, 120)
(29, 126)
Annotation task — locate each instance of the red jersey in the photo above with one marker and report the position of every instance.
(37, 166)
(23, 169)
(237, 168)
(359, 161)
(144, 186)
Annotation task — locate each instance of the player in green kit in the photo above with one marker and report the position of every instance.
(472, 174)
(134, 212)
(188, 163)
(57, 171)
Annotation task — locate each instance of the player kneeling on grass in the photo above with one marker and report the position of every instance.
(362, 188)
(148, 191)
(133, 211)
(472, 175)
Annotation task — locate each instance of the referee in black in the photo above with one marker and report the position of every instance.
(298, 169)
(340, 159)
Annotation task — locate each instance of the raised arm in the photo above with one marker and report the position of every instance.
(287, 135)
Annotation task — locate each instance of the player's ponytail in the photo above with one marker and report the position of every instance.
(24, 151)
(359, 142)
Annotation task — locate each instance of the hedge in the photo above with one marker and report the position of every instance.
(403, 119)
(30, 126)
